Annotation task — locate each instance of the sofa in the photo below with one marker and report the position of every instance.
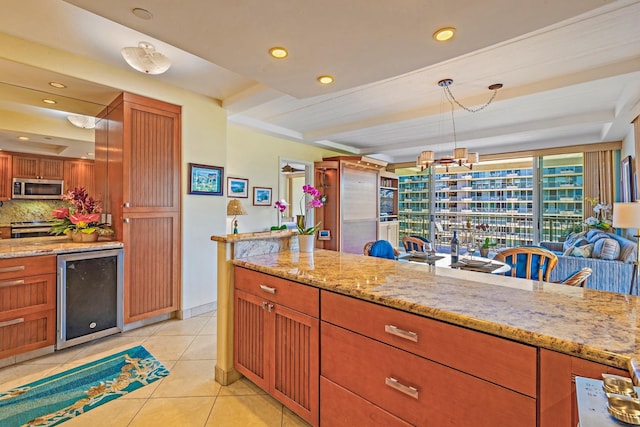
(610, 257)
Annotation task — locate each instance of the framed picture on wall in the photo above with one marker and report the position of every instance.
(238, 187)
(261, 196)
(626, 179)
(205, 180)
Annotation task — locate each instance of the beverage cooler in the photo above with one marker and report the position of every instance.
(89, 296)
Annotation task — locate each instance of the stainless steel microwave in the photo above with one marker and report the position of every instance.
(25, 188)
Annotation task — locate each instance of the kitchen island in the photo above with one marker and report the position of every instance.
(501, 333)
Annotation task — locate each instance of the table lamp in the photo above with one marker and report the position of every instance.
(235, 208)
(627, 215)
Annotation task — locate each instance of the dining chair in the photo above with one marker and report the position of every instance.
(380, 249)
(415, 244)
(577, 278)
(528, 262)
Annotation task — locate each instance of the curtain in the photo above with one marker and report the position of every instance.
(599, 179)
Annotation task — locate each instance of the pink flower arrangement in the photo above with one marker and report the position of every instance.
(82, 216)
(316, 200)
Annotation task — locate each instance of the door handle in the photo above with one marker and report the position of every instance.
(397, 385)
(14, 268)
(407, 335)
(11, 283)
(268, 289)
(126, 220)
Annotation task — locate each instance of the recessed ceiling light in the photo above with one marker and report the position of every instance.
(57, 85)
(49, 101)
(23, 138)
(278, 52)
(142, 13)
(444, 34)
(325, 80)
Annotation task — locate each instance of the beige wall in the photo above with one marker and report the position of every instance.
(256, 157)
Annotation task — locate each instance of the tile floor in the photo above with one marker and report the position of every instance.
(189, 396)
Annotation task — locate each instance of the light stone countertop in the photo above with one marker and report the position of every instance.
(594, 325)
(34, 246)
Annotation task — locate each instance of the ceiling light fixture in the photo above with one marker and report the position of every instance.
(142, 13)
(57, 85)
(146, 59)
(49, 101)
(84, 122)
(278, 52)
(444, 34)
(460, 155)
(23, 138)
(325, 80)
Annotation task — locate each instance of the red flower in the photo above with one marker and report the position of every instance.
(60, 213)
(86, 218)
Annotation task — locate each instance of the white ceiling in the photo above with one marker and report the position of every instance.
(570, 68)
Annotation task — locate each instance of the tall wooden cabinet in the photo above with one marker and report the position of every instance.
(351, 212)
(137, 176)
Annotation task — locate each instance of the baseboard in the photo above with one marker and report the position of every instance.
(197, 311)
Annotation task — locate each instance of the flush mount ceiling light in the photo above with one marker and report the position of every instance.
(278, 52)
(84, 122)
(460, 155)
(444, 34)
(142, 13)
(146, 59)
(325, 80)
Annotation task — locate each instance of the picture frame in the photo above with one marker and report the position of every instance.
(206, 180)
(238, 188)
(626, 179)
(262, 196)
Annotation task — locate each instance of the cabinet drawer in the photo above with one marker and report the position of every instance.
(470, 351)
(294, 295)
(26, 333)
(418, 390)
(27, 294)
(27, 266)
(339, 407)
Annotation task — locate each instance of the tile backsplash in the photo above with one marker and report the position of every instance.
(28, 210)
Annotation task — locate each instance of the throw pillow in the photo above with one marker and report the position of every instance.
(583, 251)
(571, 240)
(606, 249)
(595, 235)
(568, 251)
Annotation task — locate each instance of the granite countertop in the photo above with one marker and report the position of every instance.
(33, 246)
(232, 238)
(593, 325)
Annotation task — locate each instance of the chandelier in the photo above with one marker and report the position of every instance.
(460, 156)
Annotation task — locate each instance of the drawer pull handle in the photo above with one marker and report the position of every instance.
(396, 385)
(407, 335)
(11, 322)
(12, 283)
(14, 268)
(268, 289)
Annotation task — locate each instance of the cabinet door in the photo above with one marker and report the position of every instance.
(295, 369)
(25, 167)
(250, 352)
(27, 332)
(49, 168)
(5, 176)
(79, 173)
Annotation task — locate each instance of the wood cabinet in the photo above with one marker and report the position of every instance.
(422, 371)
(5, 232)
(276, 339)
(351, 211)
(27, 304)
(6, 167)
(41, 167)
(79, 173)
(558, 407)
(137, 176)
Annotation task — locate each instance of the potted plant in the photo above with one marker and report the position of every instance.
(484, 249)
(81, 220)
